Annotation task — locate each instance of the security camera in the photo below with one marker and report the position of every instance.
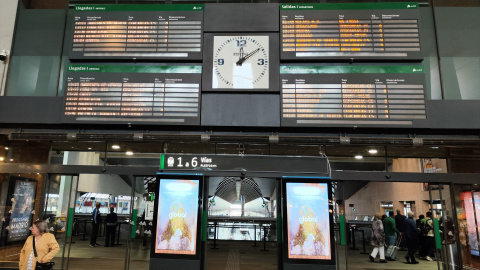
(3, 55)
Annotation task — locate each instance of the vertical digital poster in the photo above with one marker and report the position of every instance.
(309, 230)
(177, 225)
(23, 198)
(469, 231)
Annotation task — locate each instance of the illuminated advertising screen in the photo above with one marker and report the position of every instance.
(308, 221)
(22, 206)
(176, 230)
(468, 232)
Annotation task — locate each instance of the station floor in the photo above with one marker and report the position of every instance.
(230, 255)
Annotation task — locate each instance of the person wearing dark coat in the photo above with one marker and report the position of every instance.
(400, 223)
(410, 233)
(111, 228)
(378, 239)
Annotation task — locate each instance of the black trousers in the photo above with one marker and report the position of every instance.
(411, 249)
(95, 228)
(110, 235)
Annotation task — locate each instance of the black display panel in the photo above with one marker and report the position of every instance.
(177, 216)
(357, 31)
(343, 95)
(168, 95)
(308, 221)
(137, 32)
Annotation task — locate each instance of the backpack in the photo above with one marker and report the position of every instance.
(424, 227)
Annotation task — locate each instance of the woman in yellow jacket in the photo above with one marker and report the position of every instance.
(45, 244)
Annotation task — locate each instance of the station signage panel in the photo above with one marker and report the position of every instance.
(249, 163)
(137, 32)
(168, 95)
(346, 95)
(355, 31)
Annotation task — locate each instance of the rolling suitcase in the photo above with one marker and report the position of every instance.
(392, 250)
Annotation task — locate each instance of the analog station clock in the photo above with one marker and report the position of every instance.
(240, 62)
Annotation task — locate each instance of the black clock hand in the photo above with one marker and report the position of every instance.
(241, 60)
(240, 54)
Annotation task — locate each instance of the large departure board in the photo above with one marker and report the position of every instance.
(345, 95)
(137, 31)
(167, 95)
(358, 31)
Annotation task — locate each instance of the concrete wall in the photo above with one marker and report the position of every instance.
(8, 12)
(367, 201)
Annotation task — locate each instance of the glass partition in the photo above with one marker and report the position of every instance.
(59, 213)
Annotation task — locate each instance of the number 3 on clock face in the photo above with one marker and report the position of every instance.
(240, 62)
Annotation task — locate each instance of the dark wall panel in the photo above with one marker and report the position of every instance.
(259, 17)
(32, 110)
(240, 110)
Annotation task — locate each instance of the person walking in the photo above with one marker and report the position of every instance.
(429, 238)
(400, 221)
(391, 232)
(45, 246)
(111, 221)
(410, 232)
(96, 221)
(378, 239)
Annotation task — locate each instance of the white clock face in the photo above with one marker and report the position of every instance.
(240, 62)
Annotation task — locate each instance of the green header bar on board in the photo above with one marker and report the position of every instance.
(181, 7)
(134, 69)
(350, 69)
(348, 6)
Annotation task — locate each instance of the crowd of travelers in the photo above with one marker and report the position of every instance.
(394, 233)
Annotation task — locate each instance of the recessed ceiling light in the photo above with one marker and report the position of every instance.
(89, 148)
(435, 147)
(129, 153)
(373, 151)
(358, 157)
(115, 146)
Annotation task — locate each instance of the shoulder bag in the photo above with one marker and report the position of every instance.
(41, 266)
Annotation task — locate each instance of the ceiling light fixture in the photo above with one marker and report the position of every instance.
(115, 146)
(89, 148)
(2, 158)
(373, 151)
(358, 157)
(129, 153)
(6, 148)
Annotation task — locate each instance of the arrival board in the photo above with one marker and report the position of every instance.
(137, 32)
(361, 95)
(360, 31)
(168, 95)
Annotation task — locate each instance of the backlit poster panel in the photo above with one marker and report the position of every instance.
(471, 240)
(308, 221)
(177, 217)
(22, 207)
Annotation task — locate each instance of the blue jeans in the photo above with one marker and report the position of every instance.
(391, 239)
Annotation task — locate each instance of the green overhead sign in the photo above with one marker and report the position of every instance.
(134, 69)
(186, 7)
(348, 6)
(350, 69)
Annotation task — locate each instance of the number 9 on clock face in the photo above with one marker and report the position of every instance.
(240, 62)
